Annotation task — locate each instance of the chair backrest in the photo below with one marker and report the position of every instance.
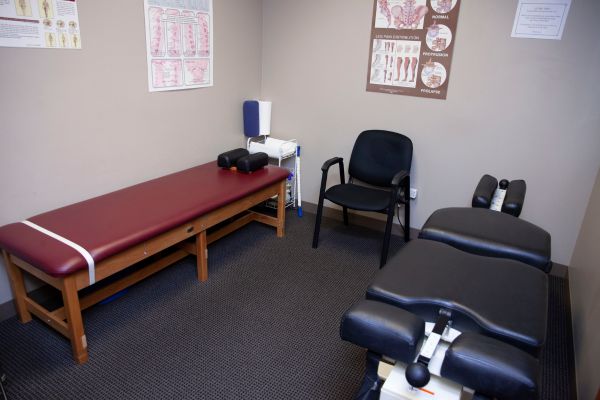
(378, 155)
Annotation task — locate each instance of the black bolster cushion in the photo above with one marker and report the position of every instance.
(252, 162)
(491, 367)
(515, 197)
(383, 329)
(230, 158)
(484, 192)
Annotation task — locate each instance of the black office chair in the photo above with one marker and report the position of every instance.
(381, 159)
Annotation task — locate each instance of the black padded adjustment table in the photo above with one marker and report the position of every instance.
(383, 329)
(501, 298)
(490, 233)
(491, 367)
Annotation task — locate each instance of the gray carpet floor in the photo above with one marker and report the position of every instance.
(264, 326)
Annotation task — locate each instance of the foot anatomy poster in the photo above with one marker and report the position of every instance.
(179, 44)
(49, 24)
(411, 47)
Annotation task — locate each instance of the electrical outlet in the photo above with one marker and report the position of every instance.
(413, 193)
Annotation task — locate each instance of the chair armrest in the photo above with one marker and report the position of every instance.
(327, 164)
(325, 168)
(399, 178)
(401, 181)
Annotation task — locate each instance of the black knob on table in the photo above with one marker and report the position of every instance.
(417, 375)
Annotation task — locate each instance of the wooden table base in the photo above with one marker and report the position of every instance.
(68, 319)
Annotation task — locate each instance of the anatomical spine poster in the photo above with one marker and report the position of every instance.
(411, 47)
(46, 24)
(179, 44)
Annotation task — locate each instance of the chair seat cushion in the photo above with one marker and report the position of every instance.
(501, 298)
(358, 197)
(490, 233)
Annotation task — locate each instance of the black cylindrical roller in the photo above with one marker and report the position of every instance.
(252, 162)
(484, 192)
(515, 197)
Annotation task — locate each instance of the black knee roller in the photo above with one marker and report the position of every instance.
(513, 201)
(252, 162)
(230, 158)
(484, 192)
(515, 197)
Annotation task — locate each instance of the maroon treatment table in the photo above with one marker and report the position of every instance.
(125, 227)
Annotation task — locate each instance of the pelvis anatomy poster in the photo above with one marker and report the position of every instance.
(45, 24)
(411, 47)
(179, 44)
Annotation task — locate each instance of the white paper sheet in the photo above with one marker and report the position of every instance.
(541, 19)
(49, 24)
(179, 44)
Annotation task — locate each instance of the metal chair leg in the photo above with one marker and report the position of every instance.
(386, 237)
(345, 212)
(407, 222)
(315, 243)
(407, 210)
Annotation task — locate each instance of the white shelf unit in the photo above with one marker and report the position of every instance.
(283, 154)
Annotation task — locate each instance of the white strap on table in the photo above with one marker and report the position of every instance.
(86, 254)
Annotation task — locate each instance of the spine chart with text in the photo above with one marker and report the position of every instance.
(179, 44)
(411, 47)
(44, 24)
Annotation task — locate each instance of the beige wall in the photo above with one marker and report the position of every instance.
(75, 124)
(585, 299)
(84, 122)
(516, 108)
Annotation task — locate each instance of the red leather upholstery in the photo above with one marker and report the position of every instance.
(109, 224)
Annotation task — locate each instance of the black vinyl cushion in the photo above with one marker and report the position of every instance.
(252, 162)
(491, 367)
(515, 197)
(378, 155)
(383, 329)
(229, 158)
(484, 192)
(490, 233)
(502, 298)
(358, 197)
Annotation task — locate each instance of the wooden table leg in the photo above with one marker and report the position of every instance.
(281, 209)
(202, 256)
(74, 320)
(18, 286)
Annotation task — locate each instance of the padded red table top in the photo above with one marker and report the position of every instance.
(109, 224)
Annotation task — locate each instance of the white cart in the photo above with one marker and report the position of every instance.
(283, 154)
